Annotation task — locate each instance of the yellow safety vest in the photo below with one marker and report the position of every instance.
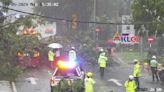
(130, 86)
(89, 83)
(102, 61)
(136, 71)
(51, 56)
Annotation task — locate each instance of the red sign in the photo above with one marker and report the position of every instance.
(49, 30)
(126, 39)
(151, 40)
(98, 29)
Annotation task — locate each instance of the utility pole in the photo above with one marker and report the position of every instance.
(94, 19)
(141, 42)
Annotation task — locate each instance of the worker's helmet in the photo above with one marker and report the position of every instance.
(101, 49)
(135, 61)
(154, 57)
(72, 47)
(89, 74)
(131, 77)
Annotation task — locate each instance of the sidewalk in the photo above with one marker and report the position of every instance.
(5, 86)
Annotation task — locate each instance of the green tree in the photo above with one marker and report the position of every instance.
(105, 31)
(151, 12)
(11, 43)
(5, 3)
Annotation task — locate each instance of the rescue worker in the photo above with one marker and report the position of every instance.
(72, 54)
(136, 73)
(51, 58)
(89, 83)
(154, 65)
(52, 84)
(102, 61)
(130, 84)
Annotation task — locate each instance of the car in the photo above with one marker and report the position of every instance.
(69, 72)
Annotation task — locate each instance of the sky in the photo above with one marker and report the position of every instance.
(22, 6)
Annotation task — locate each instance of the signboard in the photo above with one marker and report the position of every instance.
(46, 30)
(151, 40)
(97, 29)
(126, 39)
(126, 27)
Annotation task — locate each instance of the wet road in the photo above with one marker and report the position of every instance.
(114, 80)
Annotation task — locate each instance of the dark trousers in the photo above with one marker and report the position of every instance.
(51, 87)
(102, 72)
(154, 73)
(137, 82)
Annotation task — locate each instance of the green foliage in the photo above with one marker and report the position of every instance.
(149, 11)
(77, 85)
(105, 31)
(10, 44)
(129, 56)
(9, 71)
(6, 4)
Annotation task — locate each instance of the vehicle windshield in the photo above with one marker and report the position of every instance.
(70, 72)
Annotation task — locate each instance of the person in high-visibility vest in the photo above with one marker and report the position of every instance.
(89, 83)
(52, 84)
(72, 55)
(154, 64)
(51, 58)
(130, 85)
(102, 61)
(137, 73)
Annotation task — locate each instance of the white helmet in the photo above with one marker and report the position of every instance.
(135, 60)
(131, 77)
(72, 47)
(154, 57)
(101, 49)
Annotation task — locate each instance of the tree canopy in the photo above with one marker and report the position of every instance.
(151, 14)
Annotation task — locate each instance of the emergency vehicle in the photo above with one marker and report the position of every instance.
(69, 71)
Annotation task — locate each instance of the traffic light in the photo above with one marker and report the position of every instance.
(74, 21)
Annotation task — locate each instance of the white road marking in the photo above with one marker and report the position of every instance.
(14, 87)
(5, 86)
(32, 80)
(116, 82)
